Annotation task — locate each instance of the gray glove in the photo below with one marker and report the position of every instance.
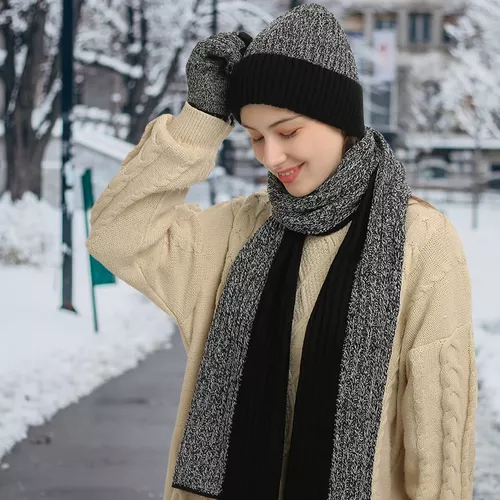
(208, 69)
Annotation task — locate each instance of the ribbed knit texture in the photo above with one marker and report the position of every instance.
(180, 256)
(303, 62)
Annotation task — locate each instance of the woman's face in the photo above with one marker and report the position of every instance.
(288, 143)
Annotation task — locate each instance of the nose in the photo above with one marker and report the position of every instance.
(273, 155)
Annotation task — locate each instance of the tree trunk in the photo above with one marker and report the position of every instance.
(24, 166)
(24, 149)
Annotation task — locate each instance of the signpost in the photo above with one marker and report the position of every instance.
(99, 275)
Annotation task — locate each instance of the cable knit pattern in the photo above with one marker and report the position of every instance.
(423, 434)
(179, 256)
(450, 381)
(454, 362)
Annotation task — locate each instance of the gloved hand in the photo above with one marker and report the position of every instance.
(208, 69)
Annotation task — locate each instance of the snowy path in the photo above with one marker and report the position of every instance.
(51, 358)
(113, 445)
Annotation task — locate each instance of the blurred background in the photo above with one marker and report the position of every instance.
(90, 371)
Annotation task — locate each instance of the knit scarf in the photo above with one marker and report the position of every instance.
(233, 443)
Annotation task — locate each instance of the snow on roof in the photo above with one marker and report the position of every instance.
(94, 140)
(104, 144)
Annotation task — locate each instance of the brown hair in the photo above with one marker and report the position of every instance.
(350, 141)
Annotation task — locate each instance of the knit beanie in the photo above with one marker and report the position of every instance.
(302, 62)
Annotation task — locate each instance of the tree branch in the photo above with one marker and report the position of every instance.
(51, 118)
(34, 38)
(174, 65)
(90, 58)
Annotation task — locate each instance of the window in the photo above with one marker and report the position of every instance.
(385, 24)
(420, 28)
(386, 21)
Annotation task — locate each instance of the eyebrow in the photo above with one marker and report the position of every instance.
(276, 123)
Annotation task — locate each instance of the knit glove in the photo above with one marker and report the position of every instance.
(208, 69)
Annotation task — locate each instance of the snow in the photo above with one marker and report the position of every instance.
(471, 87)
(51, 358)
(109, 146)
(89, 57)
(39, 117)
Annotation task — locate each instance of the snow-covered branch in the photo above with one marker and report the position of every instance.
(42, 117)
(114, 19)
(92, 58)
(472, 84)
(466, 87)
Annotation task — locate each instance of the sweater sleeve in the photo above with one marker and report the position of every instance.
(144, 232)
(440, 398)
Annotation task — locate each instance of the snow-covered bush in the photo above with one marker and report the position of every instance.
(28, 232)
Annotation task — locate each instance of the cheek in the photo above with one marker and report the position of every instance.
(257, 152)
(325, 158)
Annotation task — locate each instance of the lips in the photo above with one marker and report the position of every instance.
(286, 170)
(288, 175)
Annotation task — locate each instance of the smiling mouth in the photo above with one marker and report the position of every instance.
(289, 171)
(289, 175)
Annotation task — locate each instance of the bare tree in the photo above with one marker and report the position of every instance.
(146, 43)
(464, 95)
(29, 70)
(471, 87)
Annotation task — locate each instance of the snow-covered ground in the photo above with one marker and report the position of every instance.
(51, 358)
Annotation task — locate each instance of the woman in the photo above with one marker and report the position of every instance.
(327, 321)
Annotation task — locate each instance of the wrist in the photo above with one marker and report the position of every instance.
(198, 128)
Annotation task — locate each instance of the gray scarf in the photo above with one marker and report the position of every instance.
(369, 171)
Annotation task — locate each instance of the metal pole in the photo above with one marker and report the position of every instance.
(92, 288)
(67, 172)
(212, 180)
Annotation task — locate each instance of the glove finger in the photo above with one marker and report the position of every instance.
(247, 40)
(227, 46)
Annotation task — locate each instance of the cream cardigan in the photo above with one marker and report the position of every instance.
(179, 256)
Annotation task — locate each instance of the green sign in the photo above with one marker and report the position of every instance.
(99, 275)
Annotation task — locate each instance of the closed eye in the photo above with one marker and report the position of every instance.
(284, 136)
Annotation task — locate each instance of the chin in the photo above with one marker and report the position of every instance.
(300, 191)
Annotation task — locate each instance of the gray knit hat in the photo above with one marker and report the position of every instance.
(303, 62)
